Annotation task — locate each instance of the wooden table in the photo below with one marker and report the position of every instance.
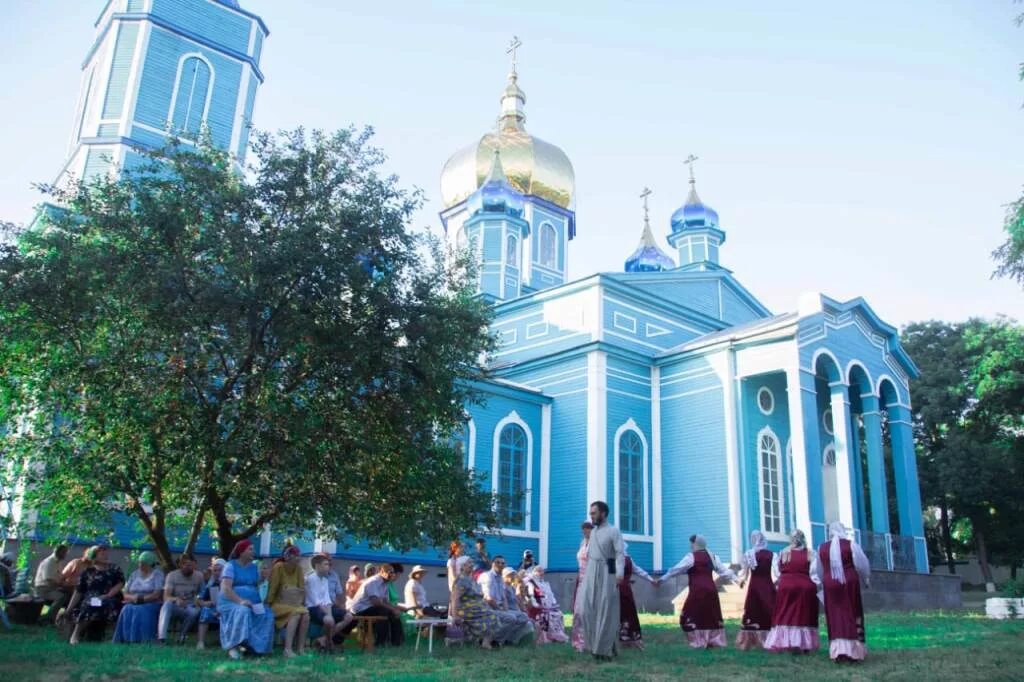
(364, 628)
(430, 623)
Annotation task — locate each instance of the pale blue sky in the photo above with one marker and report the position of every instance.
(851, 148)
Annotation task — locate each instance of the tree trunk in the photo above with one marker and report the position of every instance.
(947, 537)
(197, 527)
(986, 570)
(158, 537)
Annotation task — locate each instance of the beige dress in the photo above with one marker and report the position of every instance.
(287, 593)
(599, 593)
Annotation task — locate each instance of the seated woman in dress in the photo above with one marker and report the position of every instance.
(760, 601)
(795, 616)
(543, 608)
(701, 618)
(467, 607)
(287, 596)
(143, 597)
(208, 614)
(245, 621)
(96, 596)
(355, 579)
(416, 600)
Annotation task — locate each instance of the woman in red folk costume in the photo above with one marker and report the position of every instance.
(843, 567)
(760, 601)
(795, 618)
(581, 561)
(701, 618)
(630, 634)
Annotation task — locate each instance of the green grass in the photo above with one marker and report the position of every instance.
(915, 646)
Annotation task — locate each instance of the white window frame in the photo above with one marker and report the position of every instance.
(631, 425)
(826, 417)
(177, 80)
(780, 534)
(553, 265)
(514, 418)
(764, 390)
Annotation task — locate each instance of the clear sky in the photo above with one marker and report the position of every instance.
(857, 149)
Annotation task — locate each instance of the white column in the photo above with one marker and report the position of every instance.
(264, 541)
(726, 365)
(656, 465)
(801, 499)
(841, 434)
(597, 428)
(545, 487)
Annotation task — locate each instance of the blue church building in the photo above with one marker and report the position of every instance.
(667, 388)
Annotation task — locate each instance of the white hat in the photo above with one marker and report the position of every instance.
(507, 572)
(417, 569)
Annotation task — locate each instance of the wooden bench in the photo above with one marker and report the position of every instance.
(364, 631)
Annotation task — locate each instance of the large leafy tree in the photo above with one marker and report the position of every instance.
(201, 345)
(966, 428)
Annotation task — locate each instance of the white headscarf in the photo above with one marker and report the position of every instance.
(699, 543)
(835, 556)
(460, 562)
(757, 543)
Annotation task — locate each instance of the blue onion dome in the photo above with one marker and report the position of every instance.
(648, 257)
(694, 213)
(496, 194)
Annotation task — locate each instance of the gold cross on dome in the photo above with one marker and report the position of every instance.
(643, 195)
(514, 45)
(689, 162)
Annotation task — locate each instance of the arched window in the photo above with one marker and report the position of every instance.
(631, 483)
(790, 486)
(511, 250)
(191, 96)
(770, 480)
(512, 475)
(548, 245)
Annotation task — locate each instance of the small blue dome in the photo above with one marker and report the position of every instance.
(496, 194)
(649, 258)
(694, 213)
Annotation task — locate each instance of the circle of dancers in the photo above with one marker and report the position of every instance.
(781, 609)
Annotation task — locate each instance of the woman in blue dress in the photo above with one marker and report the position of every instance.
(143, 597)
(245, 621)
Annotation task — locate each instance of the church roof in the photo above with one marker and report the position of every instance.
(736, 333)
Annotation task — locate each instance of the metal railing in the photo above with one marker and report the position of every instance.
(888, 552)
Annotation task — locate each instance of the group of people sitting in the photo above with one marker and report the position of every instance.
(251, 602)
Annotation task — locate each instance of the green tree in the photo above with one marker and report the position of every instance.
(200, 345)
(968, 455)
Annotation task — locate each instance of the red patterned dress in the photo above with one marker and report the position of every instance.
(760, 601)
(795, 618)
(630, 634)
(844, 610)
(701, 618)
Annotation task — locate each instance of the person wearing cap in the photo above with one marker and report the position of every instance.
(143, 598)
(245, 621)
(99, 584)
(207, 601)
(181, 592)
(527, 563)
(416, 595)
(287, 597)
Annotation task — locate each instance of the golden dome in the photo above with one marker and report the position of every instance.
(532, 165)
